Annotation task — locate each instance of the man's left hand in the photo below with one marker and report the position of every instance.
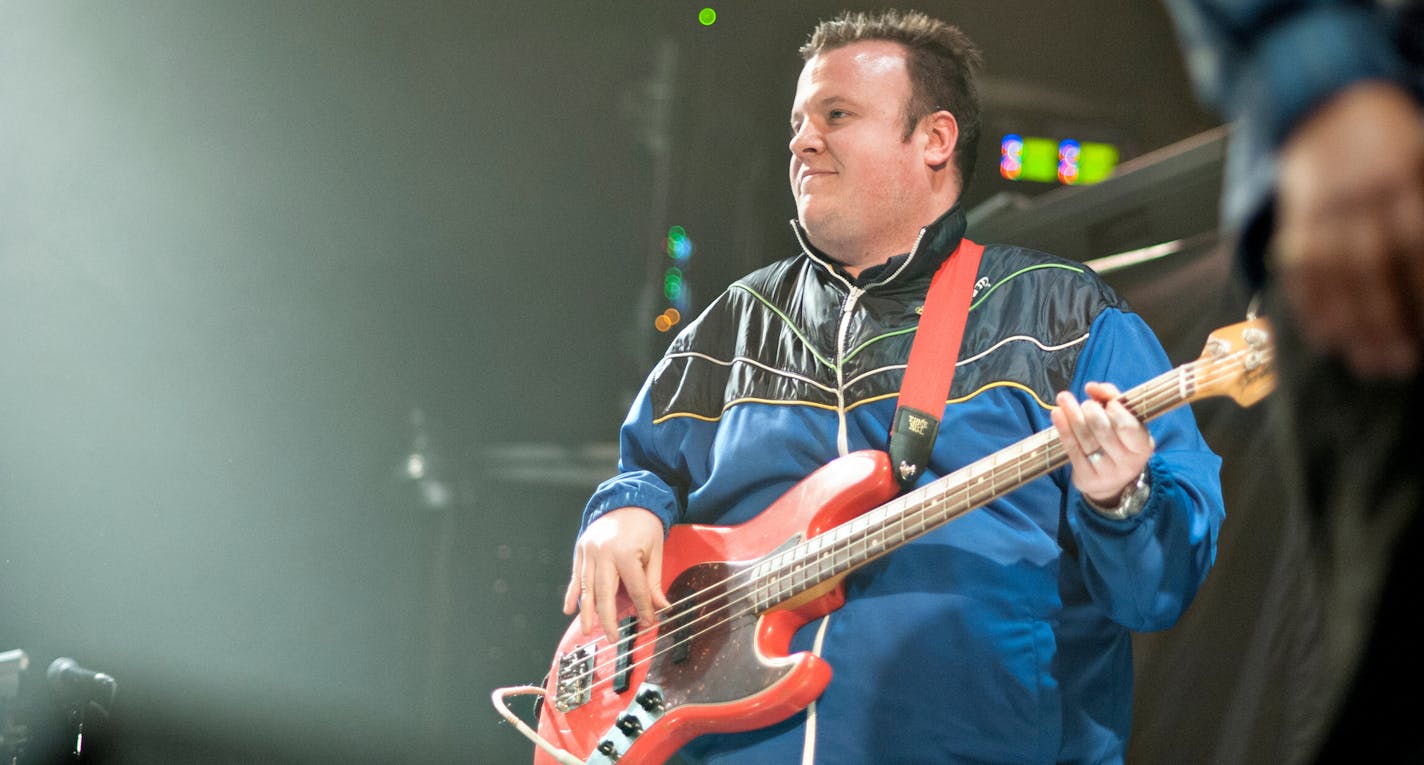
(1106, 444)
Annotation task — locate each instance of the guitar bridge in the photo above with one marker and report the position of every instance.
(575, 684)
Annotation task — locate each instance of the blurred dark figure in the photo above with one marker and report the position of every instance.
(1325, 194)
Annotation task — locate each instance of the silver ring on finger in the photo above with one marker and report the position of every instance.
(1094, 457)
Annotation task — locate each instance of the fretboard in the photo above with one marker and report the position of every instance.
(803, 566)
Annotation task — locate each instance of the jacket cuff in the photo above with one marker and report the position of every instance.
(638, 489)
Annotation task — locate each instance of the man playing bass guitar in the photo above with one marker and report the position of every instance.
(1000, 637)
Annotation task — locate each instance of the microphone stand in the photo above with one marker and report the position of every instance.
(95, 695)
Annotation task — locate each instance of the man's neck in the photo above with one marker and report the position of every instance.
(861, 253)
(856, 259)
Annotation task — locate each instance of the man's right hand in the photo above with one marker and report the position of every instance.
(624, 547)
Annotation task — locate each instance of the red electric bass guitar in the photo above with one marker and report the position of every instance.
(717, 661)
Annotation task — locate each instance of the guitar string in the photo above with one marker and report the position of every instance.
(1152, 394)
(1156, 397)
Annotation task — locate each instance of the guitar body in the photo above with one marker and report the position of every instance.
(716, 663)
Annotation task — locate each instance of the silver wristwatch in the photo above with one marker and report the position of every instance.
(1132, 502)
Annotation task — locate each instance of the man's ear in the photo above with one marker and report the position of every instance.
(942, 133)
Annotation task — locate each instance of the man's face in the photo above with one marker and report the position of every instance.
(859, 185)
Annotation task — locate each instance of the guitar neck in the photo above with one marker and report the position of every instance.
(810, 563)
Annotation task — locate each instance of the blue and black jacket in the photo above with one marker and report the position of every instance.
(1002, 636)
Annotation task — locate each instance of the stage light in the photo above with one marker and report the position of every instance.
(1045, 160)
(707, 17)
(1040, 160)
(679, 246)
(1068, 153)
(1011, 156)
(672, 283)
(1096, 162)
(667, 320)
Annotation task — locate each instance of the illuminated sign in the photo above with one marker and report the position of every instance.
(1047, 160)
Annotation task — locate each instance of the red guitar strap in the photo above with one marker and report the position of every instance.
(933, 354)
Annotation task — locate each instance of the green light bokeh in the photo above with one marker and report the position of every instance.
(707, 16)
(1096, 162)
(1040, 160)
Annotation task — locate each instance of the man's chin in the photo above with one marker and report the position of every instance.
(813, 216)
(821, 231)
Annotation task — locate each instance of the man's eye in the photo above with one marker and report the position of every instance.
(836, 114)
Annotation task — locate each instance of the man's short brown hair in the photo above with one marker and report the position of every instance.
(942, 63)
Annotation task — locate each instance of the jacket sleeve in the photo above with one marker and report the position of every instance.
(651, 469)
(1264, 65)
(1144, 571)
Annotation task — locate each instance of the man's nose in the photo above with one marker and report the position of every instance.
(806, 139)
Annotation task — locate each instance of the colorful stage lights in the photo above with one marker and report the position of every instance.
(678, 246)
(1046, 160)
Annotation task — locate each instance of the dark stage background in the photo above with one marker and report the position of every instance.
(318, 319)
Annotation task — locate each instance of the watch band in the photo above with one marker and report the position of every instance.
(1134, 498)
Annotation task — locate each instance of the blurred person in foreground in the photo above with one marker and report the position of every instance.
(1324, 199)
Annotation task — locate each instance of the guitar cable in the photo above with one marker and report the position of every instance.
(500, 696)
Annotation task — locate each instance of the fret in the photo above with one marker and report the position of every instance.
(783, 584)
(894, 529)
(822, 567)
(996, 462)
(794, 571)
(809, 559)
(857, 557)
(761, 592)
(922, 519)
(928, 516)
(912, 523)
(842, 557)
(825, 562)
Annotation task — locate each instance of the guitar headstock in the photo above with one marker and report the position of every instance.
(1238, 361)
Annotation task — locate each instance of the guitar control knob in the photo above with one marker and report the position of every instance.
(608, 749)
(651, 700)
(630, 725)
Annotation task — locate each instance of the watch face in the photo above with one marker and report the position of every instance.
(1132, 500)
(1136, 498)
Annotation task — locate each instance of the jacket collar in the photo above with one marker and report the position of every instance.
(932, 248)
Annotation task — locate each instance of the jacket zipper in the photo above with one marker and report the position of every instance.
(843, 333)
